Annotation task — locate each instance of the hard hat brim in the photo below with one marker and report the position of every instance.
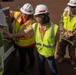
(25, 12)
(36, 14)
(41, 13)
(69, 4)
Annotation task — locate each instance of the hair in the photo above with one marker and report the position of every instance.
(45, 18)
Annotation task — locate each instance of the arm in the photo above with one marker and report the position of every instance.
(57, 45)
(19, 34)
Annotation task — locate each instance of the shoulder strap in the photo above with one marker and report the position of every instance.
(36, 25)
(15, 20)
(52, 31)
(18, 16)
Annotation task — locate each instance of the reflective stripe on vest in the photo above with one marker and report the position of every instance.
(36, 25)
(27, 36)
(52, 46)
(52, 31)
(18, 16)
(25, 40)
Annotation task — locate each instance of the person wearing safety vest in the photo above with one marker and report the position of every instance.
(46, 37)
(65, 12)
(24, 44)
(68, 32)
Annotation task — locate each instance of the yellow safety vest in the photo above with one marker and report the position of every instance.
(46, 46)
(69, 24)
(15, 14)
(23, 41)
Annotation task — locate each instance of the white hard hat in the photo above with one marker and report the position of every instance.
(2, 18)
(72, 3)
(40, 9)
(27, 9)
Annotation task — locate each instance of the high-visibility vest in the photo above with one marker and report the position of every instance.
(46, 46)
(66, 13)
(15, 14)
(27, 40)
(69, 24)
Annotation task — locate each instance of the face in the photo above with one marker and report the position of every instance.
(37, 18)
(25, 16)
(73, 9)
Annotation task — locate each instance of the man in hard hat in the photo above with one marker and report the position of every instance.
(69, 32)
(46, 37)
(25, 44)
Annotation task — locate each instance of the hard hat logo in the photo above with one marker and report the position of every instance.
(27, 9)
(42, 11)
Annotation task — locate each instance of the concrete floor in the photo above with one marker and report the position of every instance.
(63, 69)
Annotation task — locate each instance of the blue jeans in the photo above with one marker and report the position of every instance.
(51, 62)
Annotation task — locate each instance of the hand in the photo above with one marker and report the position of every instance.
(9, 35)
(56, 56)
(68, 35)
